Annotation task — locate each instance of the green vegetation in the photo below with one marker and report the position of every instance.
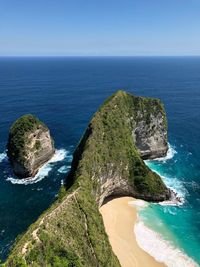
(71, 232)
(18, 136)
(108, 142)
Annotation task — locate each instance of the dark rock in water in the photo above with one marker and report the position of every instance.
(29, 145)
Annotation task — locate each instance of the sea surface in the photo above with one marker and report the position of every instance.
(64, 93)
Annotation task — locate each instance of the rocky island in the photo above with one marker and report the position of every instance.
(29, 146)
(108, 162)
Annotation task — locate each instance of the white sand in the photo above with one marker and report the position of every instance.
(119, 219)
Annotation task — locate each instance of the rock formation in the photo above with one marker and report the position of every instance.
(124, 128)
(149, 128)
(29, 145)
(106, 163)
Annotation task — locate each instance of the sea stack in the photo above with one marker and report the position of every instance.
(29, 146)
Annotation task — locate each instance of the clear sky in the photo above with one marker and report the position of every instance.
(99, 27)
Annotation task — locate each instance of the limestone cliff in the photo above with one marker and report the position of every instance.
(29, 145)
(149, 128)
(106, 163)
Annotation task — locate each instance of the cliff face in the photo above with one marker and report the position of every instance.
(29, 146)
(150, 128)
(106, 163)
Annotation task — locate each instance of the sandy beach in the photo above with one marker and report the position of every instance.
(119, 218)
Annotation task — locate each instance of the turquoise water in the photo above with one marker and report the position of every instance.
(177, 223)
(64, 93)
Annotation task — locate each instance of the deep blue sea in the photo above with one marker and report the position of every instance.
(64, 93)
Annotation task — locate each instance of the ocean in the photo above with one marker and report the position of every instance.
(64, 93)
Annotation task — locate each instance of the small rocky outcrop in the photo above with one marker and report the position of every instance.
(29, 145)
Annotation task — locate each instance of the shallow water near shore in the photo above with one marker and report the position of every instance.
(64, 93)
(175, 239)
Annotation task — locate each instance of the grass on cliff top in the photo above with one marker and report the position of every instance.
(18, 135)
(72, 235)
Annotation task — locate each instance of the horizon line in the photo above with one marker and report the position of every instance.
(92, 56)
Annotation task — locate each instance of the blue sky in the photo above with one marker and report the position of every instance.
(99, 27)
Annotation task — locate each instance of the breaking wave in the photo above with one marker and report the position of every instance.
(176, 185)
(162, 250)
(170, 154)
(63, 169)
(3, 156)
(59, 155)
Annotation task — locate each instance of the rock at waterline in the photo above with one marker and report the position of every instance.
(29, 146)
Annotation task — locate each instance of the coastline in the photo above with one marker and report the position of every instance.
(119, 219)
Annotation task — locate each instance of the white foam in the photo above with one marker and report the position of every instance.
(169, 210)
(63, 169)
(172, 203)
(43, 171)
(2, 232)
(177, 186)
(138, 203)
(69, 158)
(3, 156)
(58, 156)
(170, 154)
(160, 249)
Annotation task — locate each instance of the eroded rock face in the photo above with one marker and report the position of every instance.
(151, 137)
(29, 146)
